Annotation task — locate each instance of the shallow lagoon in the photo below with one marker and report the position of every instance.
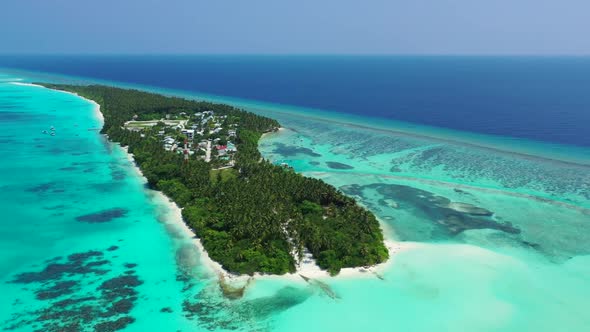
(75, 216)
(525, 267)
(466, 272)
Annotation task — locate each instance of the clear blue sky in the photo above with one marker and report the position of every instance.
(296, 26)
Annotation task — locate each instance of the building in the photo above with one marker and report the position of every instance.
(169, 140)
(189, 133)
(221, 150)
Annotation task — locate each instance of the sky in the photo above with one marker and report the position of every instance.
(540, 27)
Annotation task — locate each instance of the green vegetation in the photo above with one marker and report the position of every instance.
(250, 218)
(222, 174)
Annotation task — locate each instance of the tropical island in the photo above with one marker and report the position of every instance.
(250, 214)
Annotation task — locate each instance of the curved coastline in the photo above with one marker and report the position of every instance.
(305, 270)
(308, 270)
(97, 112)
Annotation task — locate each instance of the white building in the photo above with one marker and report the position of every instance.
(190, 133)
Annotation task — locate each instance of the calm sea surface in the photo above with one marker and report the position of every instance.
(86, 247)
(539, 98)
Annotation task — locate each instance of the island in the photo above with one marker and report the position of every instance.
(250, 214)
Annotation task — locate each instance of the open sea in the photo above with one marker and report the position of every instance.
(480, 165)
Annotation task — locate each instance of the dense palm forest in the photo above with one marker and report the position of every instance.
(254, 217)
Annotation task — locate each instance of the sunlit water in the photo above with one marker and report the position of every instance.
(76, 194)
(525, 267)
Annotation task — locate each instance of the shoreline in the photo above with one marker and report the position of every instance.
(174, 212)
(307, 269)
(97, 113)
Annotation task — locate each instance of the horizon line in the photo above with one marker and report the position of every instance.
(307, 54)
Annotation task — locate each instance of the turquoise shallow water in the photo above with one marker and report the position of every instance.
(524, 268)
(47, 183)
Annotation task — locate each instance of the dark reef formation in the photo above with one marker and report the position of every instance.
(71, 301)
(453, 217)
(291, 151)
(241, 314)
(103, 216)
(336, 165)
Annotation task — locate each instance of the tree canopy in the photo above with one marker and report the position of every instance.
(255, 217)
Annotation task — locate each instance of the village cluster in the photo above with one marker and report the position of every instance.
(204, 135)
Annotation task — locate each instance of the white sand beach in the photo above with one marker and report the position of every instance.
(306, 268)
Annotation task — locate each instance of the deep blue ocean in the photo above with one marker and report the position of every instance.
(539, 98)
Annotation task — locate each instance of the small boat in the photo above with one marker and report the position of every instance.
(53, 133)
(52, 128)
(44, 131)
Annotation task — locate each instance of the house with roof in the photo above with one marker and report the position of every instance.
(189, 133)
